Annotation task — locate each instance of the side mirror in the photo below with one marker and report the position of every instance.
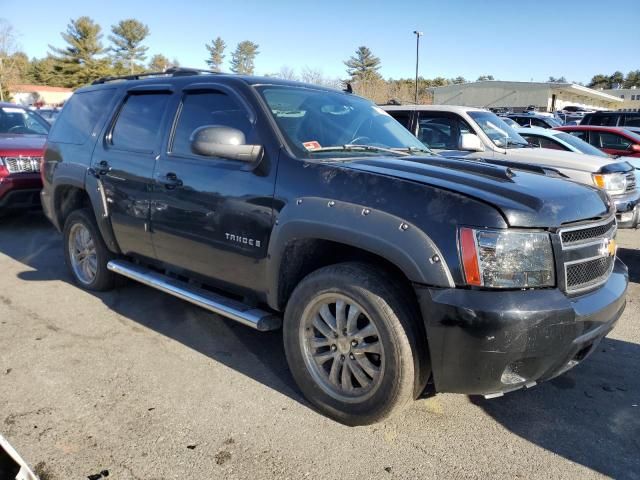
(470, 142)
(224, 142)
(635, 148)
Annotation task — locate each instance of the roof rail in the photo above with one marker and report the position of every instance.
(169, 72)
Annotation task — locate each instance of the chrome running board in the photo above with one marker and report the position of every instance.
(245, 314)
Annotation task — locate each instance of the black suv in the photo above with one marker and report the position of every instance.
(281, 204)
(612, 119)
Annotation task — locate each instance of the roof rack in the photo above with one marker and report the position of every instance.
(169, 72)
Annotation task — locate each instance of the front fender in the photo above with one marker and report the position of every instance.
(386, 235)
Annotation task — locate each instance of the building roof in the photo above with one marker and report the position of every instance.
(570, 87)
(25, 87)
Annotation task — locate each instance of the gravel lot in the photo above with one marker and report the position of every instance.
(146, 386)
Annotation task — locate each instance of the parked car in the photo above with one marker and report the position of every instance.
(612, 140)
(612, 119)
(535, 120)
(22, 137)
(258, 198)
(575, 111)
(469, 132)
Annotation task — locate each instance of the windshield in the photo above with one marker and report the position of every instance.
(325, 123)
(580, 144)
(19, 120)
(501, 134)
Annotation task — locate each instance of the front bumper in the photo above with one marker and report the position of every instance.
(627, 210)
(490, 342)
(20, 191)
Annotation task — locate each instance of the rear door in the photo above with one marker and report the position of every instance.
(124, 162)
(213, 216)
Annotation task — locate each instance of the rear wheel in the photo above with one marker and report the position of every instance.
(351, 343)
(86, 254)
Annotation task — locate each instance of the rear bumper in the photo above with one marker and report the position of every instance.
(627, 210)
(20, 191)
(488, 342)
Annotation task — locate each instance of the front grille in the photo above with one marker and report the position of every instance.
(631, 181)
(22, 164)
(587, 274)
(588, 255)
(587, 233)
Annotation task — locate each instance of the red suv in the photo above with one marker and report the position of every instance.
(613, 140)
(22, 137)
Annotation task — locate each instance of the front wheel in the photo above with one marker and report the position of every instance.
(86, 254)
(351, 343)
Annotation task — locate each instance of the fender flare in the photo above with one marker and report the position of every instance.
(386, 235)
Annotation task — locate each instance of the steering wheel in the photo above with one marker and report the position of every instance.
(363, 140)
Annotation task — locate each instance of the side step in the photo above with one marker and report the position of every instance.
(252, 317)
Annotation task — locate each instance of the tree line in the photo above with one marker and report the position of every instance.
(84, 57)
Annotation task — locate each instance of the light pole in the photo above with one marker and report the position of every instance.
(418, 35)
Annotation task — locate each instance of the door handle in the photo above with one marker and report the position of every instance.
(170, 181)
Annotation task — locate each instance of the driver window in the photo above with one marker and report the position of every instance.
(202, 108)
(441, 132)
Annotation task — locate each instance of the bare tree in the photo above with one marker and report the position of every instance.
(9, 72)
(287, 73)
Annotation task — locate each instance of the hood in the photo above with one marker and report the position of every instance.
(525, 199)
(21, 144)
(633, 161)
(558, 159)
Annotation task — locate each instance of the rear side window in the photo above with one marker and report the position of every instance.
(632, 120)
(138, 124)
(522, 121)
(581, 134)
(80, 116)
(604, 120)
(209, 108)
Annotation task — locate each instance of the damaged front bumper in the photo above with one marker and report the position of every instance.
(491, 342)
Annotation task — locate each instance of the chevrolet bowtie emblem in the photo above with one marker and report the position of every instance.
(608, 247)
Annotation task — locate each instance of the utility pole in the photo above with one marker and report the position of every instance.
(418, 35)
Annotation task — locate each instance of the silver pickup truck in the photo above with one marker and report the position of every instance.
(456, 131)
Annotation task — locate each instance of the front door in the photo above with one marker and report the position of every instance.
(124, 163)
(611, 143)
(210, 215)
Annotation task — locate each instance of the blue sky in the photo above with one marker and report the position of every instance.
(511, 40)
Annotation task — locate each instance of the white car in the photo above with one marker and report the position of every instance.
(564, 141)
(476, 133)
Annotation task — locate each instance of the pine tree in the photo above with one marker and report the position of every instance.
(243, 56)
(616, 80)
(364, 65)
(159, 63)
(127, 39)
(216, 54)
(79, 63)
(632, 79)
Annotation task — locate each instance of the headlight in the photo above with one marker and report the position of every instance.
(613, 183)
(507, 259)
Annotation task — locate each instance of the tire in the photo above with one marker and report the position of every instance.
(78, 222)
(379, 303)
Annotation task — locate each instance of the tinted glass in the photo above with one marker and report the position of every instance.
(312, 120)
(441, 132)
(21, 121)
(403, 117)
(631, 120)
(80, 116)
(522, 121)
(209, 108)
(139, 121)
(583, 135)
(604, 120)
(543, 142)
(610, 141)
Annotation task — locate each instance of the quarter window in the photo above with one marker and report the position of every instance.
(139, 123)
(209, 108)
(80, 116)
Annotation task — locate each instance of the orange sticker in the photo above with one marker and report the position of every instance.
(313, 145)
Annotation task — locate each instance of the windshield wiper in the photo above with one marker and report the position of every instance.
(412, 150)
(350, 147)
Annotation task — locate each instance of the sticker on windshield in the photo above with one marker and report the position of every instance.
(313, 145)
(12, 110)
